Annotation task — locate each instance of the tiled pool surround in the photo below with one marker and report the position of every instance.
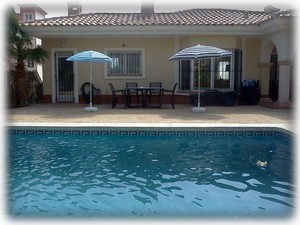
(158, 131)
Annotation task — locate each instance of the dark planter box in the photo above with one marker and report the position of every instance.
(250, 92)
(230, 98)
(215, 98)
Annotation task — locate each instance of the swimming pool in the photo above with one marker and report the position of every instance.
(161, 172)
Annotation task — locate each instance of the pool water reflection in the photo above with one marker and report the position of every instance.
(150, 175)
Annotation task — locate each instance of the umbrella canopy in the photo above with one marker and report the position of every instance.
(200, 52)
(90, 56)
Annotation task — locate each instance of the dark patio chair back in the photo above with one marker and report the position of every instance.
(112, 88)
(131, 85)
(130, 91)
(154, 85)
(155, 92)
(116, 94)
(171, 94)
(174, 88)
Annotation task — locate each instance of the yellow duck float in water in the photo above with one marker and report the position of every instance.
(258, 163)
(262, 163)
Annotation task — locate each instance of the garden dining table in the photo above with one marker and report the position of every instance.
(144, 92)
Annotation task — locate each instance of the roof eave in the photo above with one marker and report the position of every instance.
(277, 24)
(88, 31)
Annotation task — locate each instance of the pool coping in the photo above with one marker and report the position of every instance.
(143, 128)
(150, 125)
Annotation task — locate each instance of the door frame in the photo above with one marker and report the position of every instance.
(274, 78)
(53, 69)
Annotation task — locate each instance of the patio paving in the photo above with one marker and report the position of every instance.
(63, 113)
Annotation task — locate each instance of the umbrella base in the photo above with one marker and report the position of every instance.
(90, 109)
(198, 109)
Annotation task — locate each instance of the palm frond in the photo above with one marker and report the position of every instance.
(37, 54)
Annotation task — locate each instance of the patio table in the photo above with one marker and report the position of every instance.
(144, 92)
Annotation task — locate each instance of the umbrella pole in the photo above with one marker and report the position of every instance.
(91, 83)
(199, 88)
(198, 108)
(91, 108)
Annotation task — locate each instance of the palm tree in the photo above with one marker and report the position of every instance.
(20, 50)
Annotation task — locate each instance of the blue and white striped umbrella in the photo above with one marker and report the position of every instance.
(200, 52)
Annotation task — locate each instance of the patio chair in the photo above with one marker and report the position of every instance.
(116, 94)
(130, 92)
(155, 92)
(171, 94)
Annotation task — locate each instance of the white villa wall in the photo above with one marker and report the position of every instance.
(251, 56)
(158, 50)
(283, 41)
(284, 44)
(157, 66)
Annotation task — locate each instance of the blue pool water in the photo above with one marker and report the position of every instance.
(165, 173)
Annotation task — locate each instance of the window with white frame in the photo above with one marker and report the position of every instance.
(126, 63)
(28, 16)
(30, 64)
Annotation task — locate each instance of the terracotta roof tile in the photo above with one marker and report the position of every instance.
(203, 17)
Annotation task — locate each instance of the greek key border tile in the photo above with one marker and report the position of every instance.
(152, 133)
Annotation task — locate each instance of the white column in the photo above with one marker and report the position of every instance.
(284, 81)
(264, 82)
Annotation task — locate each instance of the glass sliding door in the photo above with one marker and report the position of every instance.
(222, 73)
(185, 75)
(204, 67)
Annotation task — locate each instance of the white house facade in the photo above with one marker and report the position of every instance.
(262, 45)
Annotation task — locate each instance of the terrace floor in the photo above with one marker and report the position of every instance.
(182, 115)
